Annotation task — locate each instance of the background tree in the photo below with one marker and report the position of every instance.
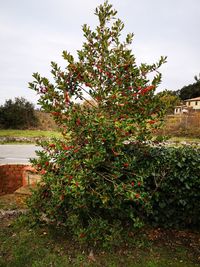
(169, 100)
(17, 114)
(89, 182)
(190, 91)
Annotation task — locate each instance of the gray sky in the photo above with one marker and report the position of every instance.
(33, 33)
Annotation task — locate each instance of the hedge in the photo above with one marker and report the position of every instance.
(172, 175)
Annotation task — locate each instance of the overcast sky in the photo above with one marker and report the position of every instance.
(35, 32)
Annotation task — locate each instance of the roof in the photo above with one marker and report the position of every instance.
(193, 99)
(181, 106)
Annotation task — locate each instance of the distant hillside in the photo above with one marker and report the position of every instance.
(45, 121)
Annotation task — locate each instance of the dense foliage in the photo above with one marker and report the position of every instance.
(169, 99)
(17, 114)
(89, 182)
(157, 185)
(190, 91)
(176, 202)
(172, 175)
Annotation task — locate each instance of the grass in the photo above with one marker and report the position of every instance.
(185, 139)
(23, 243)
(183, 125)
(11, 134)
(39, 246)
(26, 136)
(28, 133)
(7, 202)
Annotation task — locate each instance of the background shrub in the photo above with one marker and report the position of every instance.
(17, 114)
(172, 177)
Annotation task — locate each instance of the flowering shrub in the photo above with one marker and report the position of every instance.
(89, 183)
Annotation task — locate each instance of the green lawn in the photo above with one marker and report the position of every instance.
(49, 134)
(28, 133)
(26, 136)
(40, 246)
(24, 244)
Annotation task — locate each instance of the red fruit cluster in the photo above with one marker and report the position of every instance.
(67, 99)
(55, 113)
(43, 172)
(126, 165)
(151, 121)
(82, 235)
(52, 145)
(143, 91)
(67, 147)
(78, 122)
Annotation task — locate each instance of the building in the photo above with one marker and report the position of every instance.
(193, 103)
(181, 110)
(190, 105)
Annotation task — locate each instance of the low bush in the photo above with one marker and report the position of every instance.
(171, 175)
(144, 184)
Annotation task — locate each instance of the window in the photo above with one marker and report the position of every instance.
(196, 103)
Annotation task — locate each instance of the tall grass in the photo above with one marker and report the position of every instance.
(186, 125)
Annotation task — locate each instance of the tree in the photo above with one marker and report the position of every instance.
(18, 114)
(89, 184)
(168, 100)
(190, 91)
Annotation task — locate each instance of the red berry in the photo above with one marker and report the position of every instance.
(126, 165)
(82, 235)
(52, 145)
(78, 122)
(42, 171)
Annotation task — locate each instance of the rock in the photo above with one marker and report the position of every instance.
(12, 213)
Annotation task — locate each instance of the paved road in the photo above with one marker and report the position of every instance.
(17, 153)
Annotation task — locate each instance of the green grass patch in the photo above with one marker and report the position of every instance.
(23, 244)
(29, 133)
(26, 136)
(55, 134)
(185, 139)
(7, 202)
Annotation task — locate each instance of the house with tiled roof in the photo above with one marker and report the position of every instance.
(193, 103)
(190, 105)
